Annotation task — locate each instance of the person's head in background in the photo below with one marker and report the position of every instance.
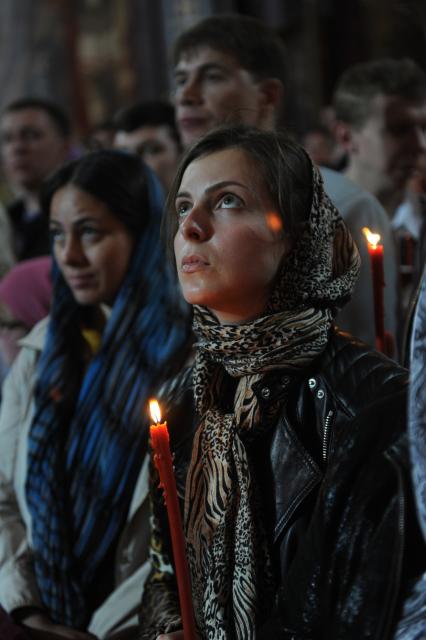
(35, 136)
(381, 121)
(318, 141)
(101, 136)
(149, 130)
(327, 119)
(98, 208)
(228, 69)
(25, 293)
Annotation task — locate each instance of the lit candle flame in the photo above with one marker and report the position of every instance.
(155, 412)
(372, 238)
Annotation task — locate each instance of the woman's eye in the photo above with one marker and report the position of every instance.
(89, 232)
(182, 209)
(56, 234)
(230, 201)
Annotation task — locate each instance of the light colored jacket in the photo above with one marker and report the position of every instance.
(18, 587)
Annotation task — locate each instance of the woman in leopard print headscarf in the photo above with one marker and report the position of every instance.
(266, 261)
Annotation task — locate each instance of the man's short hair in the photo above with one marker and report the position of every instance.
(256, 47)
(361, 83)
(53, 110)
(147, 114)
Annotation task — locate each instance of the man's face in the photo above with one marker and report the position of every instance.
(31, 147)
(213, 89)
(386, 147)
(156, 146)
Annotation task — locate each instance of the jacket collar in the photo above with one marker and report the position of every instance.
(294, 471)
(35, 339)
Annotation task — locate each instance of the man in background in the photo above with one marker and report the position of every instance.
(35, 139)
(318, 141)
(149, 130)
(381, 121)
(223, 75)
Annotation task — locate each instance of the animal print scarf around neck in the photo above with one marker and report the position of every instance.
(232, 578)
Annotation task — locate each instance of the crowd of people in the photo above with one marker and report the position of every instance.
(199, 253)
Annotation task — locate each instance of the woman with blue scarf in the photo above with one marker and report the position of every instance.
(73, 424)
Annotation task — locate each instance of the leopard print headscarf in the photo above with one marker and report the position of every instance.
(232, 577)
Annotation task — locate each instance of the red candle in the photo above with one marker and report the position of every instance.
(163, 462)
(377, 273)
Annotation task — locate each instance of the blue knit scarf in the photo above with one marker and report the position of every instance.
(83, 463)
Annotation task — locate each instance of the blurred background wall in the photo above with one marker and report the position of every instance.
(93, 56)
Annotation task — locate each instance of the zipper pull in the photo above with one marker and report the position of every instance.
(326, 434)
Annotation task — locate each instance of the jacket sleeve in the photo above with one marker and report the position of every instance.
(160, 603)
(18, 586)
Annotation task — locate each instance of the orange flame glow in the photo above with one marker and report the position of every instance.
(154, 409)
(372, 238)
(274, 222)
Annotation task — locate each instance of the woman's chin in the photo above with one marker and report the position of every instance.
(198, 298)
(86, 298)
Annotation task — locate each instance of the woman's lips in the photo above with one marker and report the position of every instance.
(193, 263)
(80, 282)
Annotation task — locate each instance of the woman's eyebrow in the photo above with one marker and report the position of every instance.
(214, 187)
(75, 223)
(226, 183)
(183, 194)
(84, 220)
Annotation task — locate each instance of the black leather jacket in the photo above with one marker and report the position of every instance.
(335, 483)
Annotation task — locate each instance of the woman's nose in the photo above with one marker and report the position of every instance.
(72, 252)
(196, 226)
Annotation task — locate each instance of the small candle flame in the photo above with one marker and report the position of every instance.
(372, 238)
(154, 409)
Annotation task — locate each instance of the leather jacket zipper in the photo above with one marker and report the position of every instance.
(326, 435)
